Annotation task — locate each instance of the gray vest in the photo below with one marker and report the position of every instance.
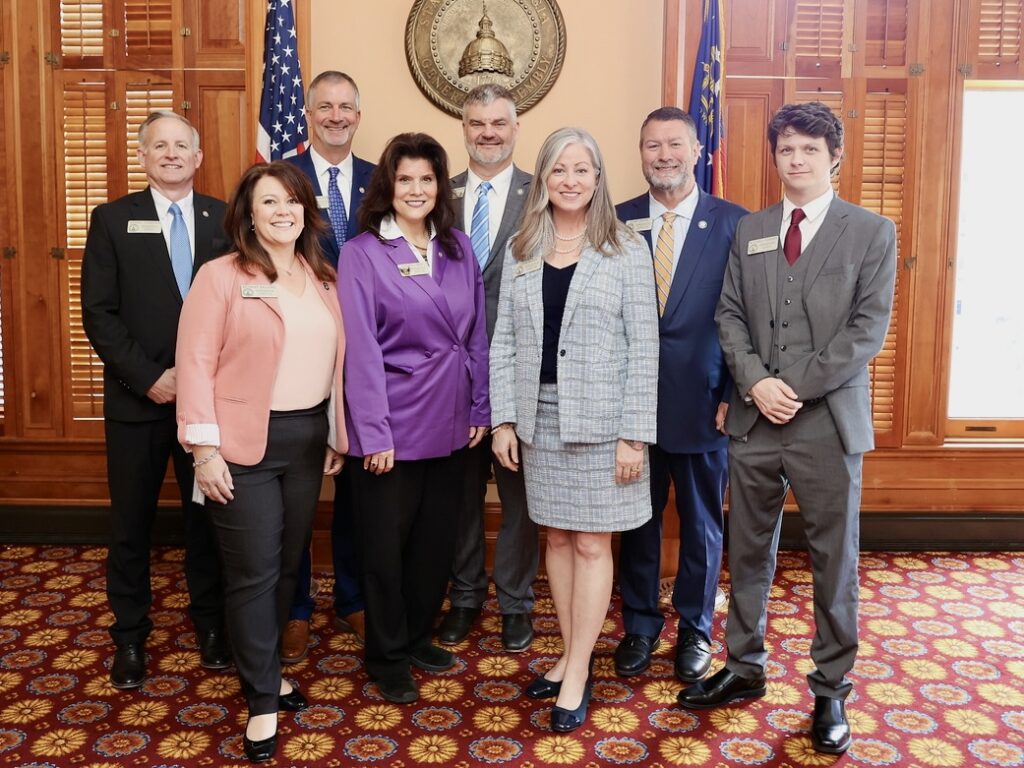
(791, 334)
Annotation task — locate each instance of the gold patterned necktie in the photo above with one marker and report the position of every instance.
(663, 258)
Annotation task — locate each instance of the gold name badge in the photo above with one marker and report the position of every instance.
(762, 245)
(144, 227)
(525, 267)
(259, 291)
(413, 269)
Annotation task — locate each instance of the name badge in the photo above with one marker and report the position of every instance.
(459, 192)
(413, 269)
(144, 227)
(525, 267)
(322, 202)
(640, 225)
(763, 244)
(259, 291)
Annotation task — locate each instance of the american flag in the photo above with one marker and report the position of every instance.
(282, 128)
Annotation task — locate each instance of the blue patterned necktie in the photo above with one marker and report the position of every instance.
(479, 233)
(181, 251)
(336, 208)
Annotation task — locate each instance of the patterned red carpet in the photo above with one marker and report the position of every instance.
(939, 682)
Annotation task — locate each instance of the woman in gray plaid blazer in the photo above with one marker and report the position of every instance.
(574, 372)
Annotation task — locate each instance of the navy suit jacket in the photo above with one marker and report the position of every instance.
(361, 172)
(692, 375)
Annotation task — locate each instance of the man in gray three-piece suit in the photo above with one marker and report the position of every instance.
(804, 308)
(489, 203)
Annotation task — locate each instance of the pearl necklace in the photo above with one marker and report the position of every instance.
(571, 249)
(577, 236)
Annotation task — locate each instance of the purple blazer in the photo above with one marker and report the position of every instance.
(416, 368)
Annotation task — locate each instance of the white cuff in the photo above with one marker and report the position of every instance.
(202, 434)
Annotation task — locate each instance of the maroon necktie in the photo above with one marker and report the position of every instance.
(792, 245)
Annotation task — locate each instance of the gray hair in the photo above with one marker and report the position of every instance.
(488, 93)
(160, 114)
(330, 76)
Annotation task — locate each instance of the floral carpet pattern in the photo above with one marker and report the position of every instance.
(939, 682)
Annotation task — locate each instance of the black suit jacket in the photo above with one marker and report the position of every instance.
(130, 300)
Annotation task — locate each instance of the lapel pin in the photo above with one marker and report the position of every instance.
(362, 190)
(519, 191)
(206, 214)
(702, 224)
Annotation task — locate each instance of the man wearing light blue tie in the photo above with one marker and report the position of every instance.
(490, 197)
(339, 180)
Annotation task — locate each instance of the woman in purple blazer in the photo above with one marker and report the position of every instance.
(416, 384)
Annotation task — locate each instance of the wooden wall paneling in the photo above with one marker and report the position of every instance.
(676, 72)
(750, 175)
(216, 33)
(755, 35)
(147, 33)
(8, 246)
(36, 313)
(220, 111)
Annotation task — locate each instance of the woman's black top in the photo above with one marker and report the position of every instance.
(555, 289)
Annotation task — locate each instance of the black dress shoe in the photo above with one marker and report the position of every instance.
(830, 730)
(542, 688)
(565, 720)
(293, 701)
(129, 667)
(213, 651)
(456, 625)
(400, 690)
(633, 656)
(693, 656)
(516, 632)
(721, 687)
(432, 659)
(259, 751)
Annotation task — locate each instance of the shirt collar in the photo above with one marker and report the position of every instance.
(812, 210)
(389, 229)
(686, 208)
(501, 182)
(163, 204)
(321, 165)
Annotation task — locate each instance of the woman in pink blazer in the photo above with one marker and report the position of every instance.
(259, 371)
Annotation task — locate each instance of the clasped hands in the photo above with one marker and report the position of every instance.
(775, 399)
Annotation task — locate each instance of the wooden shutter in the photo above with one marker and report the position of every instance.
(885, 33)
(998, 31)
(82, 37)
(148, 32)
(85, 163)
(140, 99)
(819, 38)
(883, 166)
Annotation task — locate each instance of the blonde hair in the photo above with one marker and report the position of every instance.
(537, 230)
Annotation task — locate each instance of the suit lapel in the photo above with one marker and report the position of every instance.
(205, 225)
(689, 256)
(399, 253)
(585, 269)
(824, 241)
(639, 208)
(360, 180)
(144, 209)
(535, 298)
(771, 223)
(510, 216)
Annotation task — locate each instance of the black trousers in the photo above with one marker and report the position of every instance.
(137, 454)
(405, 525)
(262, 534)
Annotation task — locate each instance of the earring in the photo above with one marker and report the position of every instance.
(252, 225)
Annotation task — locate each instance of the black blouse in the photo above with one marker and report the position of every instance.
(555, 290)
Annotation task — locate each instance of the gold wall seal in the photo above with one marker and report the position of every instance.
(455, 45)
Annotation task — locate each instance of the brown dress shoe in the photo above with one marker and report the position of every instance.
(295, 641)
(354, 623)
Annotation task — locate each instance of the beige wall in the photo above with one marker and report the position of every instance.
(610, 80)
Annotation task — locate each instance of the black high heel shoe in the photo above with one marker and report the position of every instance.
(293, 701)
(565, 720)
(259, 751)
(542, 688)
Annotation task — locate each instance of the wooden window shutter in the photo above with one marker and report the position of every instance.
(883, 162)
(85, 186)
(885, 33)
(997, 28)
(82, 37)
(148, 31)
(140, 100)
(820, 37)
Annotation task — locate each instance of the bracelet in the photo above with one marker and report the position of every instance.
(503, 425)
(216, 452)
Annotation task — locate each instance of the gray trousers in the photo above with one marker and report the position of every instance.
(263, 533)
(806, 454)
(516, 555)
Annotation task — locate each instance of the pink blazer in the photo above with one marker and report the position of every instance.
(229, 347)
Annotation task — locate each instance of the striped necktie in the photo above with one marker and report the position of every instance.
(181, 251)
(663, 258)
(336, 207)
(479, 233)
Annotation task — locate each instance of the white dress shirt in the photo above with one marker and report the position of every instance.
(188, 214)
(684, 214)
(323, 174)
(496, 200)
(389, 230)
(815, 212)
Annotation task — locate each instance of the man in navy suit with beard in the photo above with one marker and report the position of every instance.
(339, 180)
(689, 233)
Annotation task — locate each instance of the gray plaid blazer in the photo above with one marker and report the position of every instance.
(608, 347)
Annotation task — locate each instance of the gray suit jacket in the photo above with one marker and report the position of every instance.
(848, 294)
(510, 218)
(608, 347)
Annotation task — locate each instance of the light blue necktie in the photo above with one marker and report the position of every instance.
(181, 251)
(479, 232)
(336, 208)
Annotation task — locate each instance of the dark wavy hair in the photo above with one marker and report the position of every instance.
(380, 194)
(812, 119)
(252, 255)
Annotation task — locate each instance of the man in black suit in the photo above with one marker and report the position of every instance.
(339, 180)
(140, 256)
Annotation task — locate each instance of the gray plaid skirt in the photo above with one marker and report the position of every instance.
(572, 486)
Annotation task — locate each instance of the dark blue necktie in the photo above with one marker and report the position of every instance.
(336, 208)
